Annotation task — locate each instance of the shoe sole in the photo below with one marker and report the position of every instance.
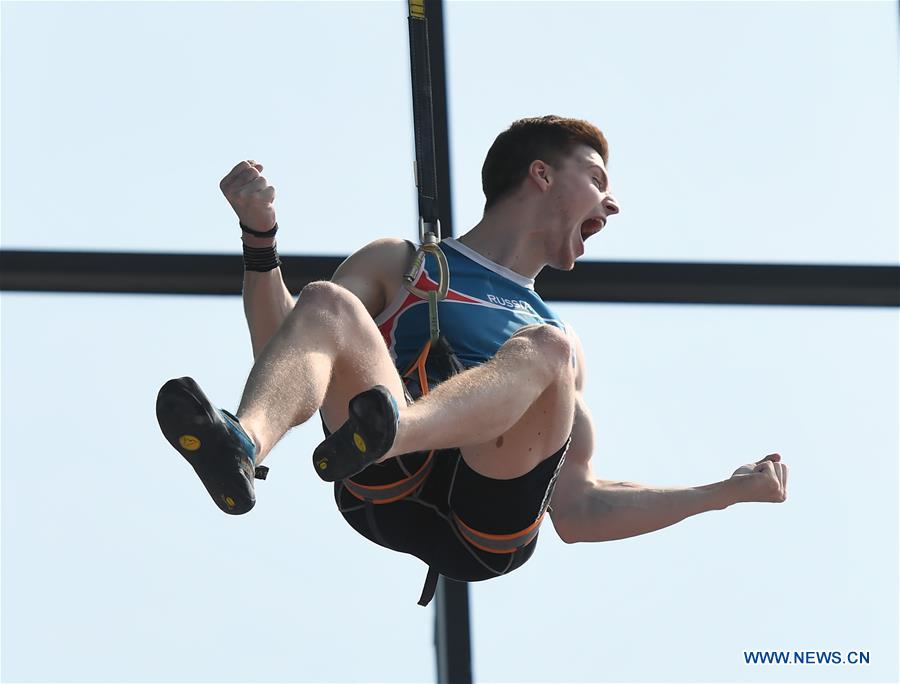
(196, 430)
(353, 447)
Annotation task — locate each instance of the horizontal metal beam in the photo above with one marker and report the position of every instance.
(590, 281)
(724, 283)
(148, 273)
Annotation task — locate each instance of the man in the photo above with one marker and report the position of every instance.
(461, 477)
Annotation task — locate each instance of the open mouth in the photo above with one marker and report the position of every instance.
(591, 226)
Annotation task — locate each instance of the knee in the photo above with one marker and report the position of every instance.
(326, 307)
(549, 343)
(323, 297)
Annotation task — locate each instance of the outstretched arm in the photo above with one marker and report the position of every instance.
(586, 508)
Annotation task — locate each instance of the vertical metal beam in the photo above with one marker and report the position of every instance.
(451, 632)
(435, 13)
(429, 101)
(429, 91)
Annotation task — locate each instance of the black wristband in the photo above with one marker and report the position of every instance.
(261, 259)
(259, 233)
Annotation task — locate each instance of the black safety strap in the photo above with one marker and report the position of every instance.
(423, 117)
(430, 587)
(427, 185)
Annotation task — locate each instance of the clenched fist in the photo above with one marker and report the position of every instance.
(765, 480)
(250, 195)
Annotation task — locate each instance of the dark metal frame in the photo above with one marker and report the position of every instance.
(590, 281)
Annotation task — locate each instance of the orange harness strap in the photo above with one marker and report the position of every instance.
(389, 493)
(498, 543)
(418, 367)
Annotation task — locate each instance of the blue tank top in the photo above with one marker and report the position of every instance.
(485, 305)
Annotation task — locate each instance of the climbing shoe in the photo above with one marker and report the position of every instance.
(367, 435)
(212, 441)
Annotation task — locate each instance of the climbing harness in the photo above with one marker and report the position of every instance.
(435, 363)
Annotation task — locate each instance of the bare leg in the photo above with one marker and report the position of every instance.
(329, 350)
(326, 351)
(483, 403)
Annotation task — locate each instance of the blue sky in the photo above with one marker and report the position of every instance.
(739, 132)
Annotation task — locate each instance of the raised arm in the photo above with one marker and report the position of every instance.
(267, 301)
(586, 508)
(373, 273)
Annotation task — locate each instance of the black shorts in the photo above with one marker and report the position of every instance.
(423, 525)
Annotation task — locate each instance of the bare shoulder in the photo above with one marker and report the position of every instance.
(373, 271)
(382, 257)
